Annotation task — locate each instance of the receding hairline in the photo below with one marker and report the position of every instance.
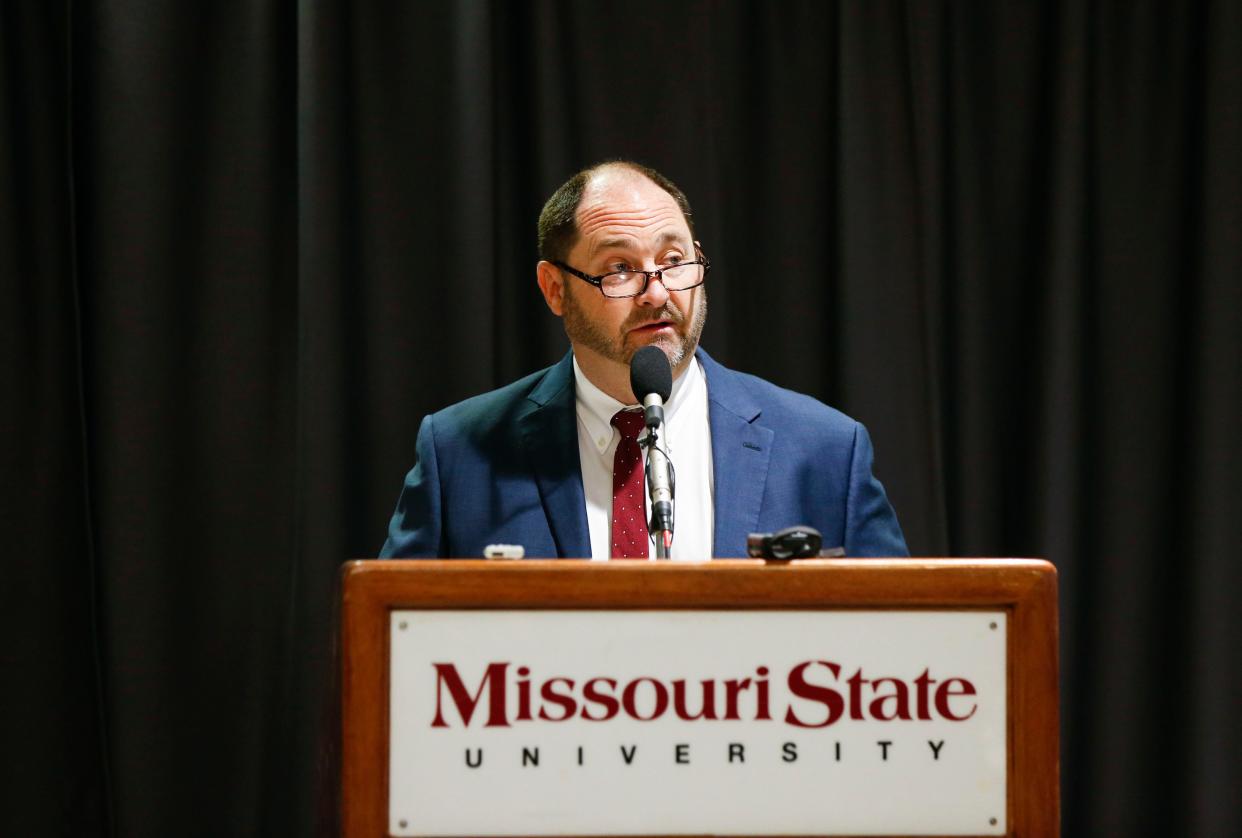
(633, 170)
(570, 229)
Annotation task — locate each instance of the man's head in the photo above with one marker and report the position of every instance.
(558, 222)
(612, 217)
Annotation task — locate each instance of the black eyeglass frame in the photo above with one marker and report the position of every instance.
(598, 281)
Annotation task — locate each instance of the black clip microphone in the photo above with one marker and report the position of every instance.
(651, 379)
(800, 542)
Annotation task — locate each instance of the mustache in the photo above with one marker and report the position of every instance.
(669, 312)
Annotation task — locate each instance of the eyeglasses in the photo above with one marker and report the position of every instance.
(633, 283)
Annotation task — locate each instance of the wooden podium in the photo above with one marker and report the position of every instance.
(1023, 590)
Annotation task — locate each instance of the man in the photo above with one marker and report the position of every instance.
(552, 462)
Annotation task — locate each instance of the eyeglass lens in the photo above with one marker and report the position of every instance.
(675, 278)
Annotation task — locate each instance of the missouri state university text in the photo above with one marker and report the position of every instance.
(815, 694)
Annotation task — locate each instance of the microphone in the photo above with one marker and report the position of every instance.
(651, 379)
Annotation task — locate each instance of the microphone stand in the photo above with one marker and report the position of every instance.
(661, 483)
(651, 380)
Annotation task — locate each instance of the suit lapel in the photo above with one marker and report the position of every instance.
(741, 450)
(549, 431)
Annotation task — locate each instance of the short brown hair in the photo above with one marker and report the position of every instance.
(558, 222)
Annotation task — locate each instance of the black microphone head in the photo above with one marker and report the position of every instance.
(650, 373)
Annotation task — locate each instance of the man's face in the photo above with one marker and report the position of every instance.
(625, 220)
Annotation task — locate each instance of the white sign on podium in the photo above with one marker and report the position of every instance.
(510, 723)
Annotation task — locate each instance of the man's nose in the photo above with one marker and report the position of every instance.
(655, 295)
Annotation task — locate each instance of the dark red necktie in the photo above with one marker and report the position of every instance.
(629, 508)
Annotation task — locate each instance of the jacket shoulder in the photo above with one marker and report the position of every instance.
(778, 405)
(500, 407)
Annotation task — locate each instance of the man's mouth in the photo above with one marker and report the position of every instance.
(654, 326)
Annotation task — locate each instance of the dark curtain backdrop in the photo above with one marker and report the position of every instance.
(245, 246)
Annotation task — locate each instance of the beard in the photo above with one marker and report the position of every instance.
(582, 330)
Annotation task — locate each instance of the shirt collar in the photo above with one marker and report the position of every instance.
(596, 408)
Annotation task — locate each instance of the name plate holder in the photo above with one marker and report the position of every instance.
(493, 698)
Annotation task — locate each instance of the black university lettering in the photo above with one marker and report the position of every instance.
(532, 756)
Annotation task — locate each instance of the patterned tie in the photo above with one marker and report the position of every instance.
(629, 508)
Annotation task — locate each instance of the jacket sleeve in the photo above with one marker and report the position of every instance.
(415, 529)
(871, 527)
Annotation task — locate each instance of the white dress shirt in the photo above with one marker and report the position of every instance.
(687, 438)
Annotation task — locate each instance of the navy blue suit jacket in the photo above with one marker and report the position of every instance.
(503, 468)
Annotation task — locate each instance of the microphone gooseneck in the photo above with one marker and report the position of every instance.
(651, 380)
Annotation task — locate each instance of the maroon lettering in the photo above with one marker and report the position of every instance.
(565, 700)
(733, 687)
(900, 700)
(761, 689)
(599, 699)
(945, 692)
(707, 707)
(592, 694)
(922, 683)
(493, 682)
(856, 702)
(523, 690)
(830, 698)
(630, 703)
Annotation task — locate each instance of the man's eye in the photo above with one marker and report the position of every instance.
(673, 259)
(619, 267)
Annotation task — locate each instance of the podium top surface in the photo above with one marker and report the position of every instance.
(534, 583)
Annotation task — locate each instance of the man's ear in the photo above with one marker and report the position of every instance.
(552, 284)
